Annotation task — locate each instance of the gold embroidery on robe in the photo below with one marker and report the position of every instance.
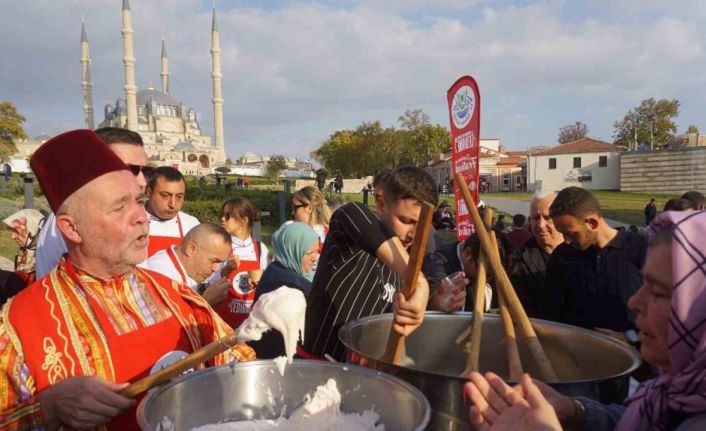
(56, 371)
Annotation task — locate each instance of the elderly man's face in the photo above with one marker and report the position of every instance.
(542, 225)
(113, 223)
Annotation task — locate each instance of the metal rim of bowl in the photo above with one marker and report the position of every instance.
(267, 363)
(634, 354)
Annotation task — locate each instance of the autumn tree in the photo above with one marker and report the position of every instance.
(573, 132)
(651, 123)
(10, 129)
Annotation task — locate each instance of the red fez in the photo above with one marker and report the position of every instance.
(71, 160)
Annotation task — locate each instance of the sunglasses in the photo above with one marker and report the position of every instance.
(136, 169)
(296, 207)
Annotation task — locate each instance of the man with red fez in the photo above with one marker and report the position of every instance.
(70, 341)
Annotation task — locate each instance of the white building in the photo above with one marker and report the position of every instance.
(586, 163)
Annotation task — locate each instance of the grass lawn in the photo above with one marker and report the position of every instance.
(621, 206)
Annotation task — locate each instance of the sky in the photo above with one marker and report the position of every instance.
(294, 72)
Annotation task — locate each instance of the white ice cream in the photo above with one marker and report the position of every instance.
(319, 412)
(283, 309)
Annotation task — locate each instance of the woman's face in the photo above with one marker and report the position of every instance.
(310, 257)
(652, 304)
(237, 227)
(300, 211)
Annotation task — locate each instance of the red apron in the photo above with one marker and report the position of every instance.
(236, 307)
(157, 243)
(168, 343)
(177, 264)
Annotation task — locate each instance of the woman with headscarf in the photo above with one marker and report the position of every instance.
(670, 309)
(295, 246)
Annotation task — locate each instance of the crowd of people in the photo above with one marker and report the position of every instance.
(127, 283)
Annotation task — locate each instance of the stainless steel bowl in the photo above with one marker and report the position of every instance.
(255, 390)
(583, 359)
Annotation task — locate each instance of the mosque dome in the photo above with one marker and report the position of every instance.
(151, 95)
(249, 155)
(184, 146)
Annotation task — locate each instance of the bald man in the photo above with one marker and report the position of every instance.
(202, 253)
(528, 264)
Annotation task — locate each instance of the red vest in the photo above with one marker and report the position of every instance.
(236, 307)
(62, 333)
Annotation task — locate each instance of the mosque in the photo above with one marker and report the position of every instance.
(169, 129)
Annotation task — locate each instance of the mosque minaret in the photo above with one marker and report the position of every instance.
(165, 69)
(129, 61)
(216, 75)
(86, 84)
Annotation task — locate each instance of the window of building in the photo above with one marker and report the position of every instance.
(552, 163)
(518, 181)
(577, 162)
(602, 161)
(506, 180)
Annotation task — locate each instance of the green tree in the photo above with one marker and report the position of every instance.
(276, 165)
(573, 132)
(692, 129)
(651, 123)
(223, 170)
(10, 129)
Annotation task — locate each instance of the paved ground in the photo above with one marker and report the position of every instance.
(514, 206)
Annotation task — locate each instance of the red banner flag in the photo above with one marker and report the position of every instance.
(464, 113)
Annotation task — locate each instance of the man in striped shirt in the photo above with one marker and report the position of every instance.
(360, 269)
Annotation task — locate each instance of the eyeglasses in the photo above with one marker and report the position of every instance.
(136, 169)
(296, 207)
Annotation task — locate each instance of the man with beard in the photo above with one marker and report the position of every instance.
(528, 264)
(593, 274)
(360, 269)
(70, 341)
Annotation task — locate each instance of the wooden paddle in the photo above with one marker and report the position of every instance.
(473, 345)
(168, 373)
(395, 342)
(513, 354)
(546, 371)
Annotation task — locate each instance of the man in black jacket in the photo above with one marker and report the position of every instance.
(528, 264)
(591, 277)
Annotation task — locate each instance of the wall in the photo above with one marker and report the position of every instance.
(602, 178)
(665, 171)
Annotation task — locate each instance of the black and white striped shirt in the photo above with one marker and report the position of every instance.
(350, 281)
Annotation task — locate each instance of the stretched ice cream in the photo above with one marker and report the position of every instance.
(283, 309)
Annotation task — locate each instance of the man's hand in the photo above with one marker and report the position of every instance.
(231, 265)
(217, 291)
(450, 296)
(409, 314)
(19, 231)
(82, 402)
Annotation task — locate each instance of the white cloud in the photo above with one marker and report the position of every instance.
(294, 74)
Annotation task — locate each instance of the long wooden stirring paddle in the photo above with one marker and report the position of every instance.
(168, 373)
(513, 353)
(395, 342)
(473, 345)
(545, 368)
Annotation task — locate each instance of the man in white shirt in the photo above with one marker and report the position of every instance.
(168, 225)
(129, 148)
(202, 253)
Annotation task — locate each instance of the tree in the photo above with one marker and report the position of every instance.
(573, 132)
(229, 162)
(276, 165)
(223, 170)
(10, 129)
(651, 123)
(692, 129)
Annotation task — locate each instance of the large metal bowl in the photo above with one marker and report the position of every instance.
(583, 360)
(255, 390)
